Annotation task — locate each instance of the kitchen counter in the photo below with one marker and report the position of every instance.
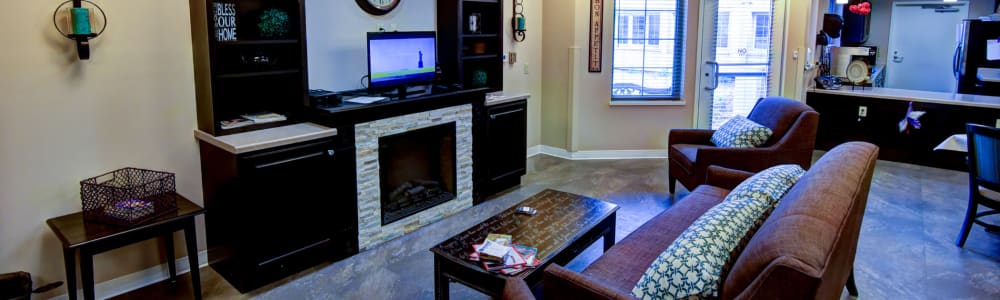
(916, 96)
(267, 138)
(501, 97)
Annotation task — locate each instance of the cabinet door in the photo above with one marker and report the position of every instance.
(296, 196)
(507, 145)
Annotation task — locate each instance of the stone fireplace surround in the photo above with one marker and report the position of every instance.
(371, 232)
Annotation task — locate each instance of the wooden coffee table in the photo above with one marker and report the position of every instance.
(565, 225)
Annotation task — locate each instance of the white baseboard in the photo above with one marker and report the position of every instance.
(596, 154)
(130, 282)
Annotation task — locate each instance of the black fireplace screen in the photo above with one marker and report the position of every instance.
(416, 170)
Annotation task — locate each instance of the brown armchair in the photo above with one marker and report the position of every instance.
(794, 123)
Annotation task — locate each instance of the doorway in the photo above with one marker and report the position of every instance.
(737, 58)
(922, 43)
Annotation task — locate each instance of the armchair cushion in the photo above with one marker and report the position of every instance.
(740, 132)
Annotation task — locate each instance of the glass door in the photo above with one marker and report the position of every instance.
(736, 58)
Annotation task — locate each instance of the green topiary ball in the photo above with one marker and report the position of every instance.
(479, 78)
(273, 23)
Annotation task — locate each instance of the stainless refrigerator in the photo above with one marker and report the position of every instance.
(970, 56)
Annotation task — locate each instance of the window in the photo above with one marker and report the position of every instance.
(638, 29)
(648, 51)
(762, 30)
(723, 30)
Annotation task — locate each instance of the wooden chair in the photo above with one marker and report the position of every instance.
(984, 177)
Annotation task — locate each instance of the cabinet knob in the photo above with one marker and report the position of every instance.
(330, 152)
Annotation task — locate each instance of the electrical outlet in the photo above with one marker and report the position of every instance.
(998, 123)
(862, 111)
(525, 68)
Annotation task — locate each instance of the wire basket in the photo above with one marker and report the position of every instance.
(128, 196)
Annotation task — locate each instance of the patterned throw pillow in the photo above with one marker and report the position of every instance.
(740, 132)
(691, 266)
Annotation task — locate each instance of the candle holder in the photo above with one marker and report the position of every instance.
(81, 31)
(517, 23)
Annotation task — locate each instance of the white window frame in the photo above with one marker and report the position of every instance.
(629, 42)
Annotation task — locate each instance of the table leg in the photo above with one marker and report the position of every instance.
(171, 257)
(191, 239)
(87, 273)
(69, 258)
(440, 281)
(609, 236)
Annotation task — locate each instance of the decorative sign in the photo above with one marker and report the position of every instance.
(225, 21)
(596, 35)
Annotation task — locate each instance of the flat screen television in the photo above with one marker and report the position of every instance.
(400, 59)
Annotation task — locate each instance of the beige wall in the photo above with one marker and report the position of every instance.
(558, 40)
(63, 120)
(576, 114)
(529, 55)
(576, 111)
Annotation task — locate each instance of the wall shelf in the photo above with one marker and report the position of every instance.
(260, 42)
(258, 73)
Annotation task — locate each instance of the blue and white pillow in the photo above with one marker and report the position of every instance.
(740, 132)
(691, 267)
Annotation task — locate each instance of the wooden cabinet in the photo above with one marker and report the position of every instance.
(246, 65)
(504, 144)
(471, 51)
(840, 122)
(277, 211)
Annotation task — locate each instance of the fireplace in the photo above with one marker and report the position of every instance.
(422, 157)
(416, 170)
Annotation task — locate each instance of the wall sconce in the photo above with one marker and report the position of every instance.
(81, 31)
(518, 22)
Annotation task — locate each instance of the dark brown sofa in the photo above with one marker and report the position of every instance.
(804, 250)
(793, 123)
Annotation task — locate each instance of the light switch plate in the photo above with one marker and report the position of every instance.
(511, 57)
(862, 111)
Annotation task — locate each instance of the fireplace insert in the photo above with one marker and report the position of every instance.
(416, 170)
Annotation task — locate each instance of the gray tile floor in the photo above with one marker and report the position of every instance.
(906, 248)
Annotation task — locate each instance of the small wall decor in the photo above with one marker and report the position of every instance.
(81, 30)
(273, 23)
(596, 35)
(518, 23)
(224, 15)
(475, 21)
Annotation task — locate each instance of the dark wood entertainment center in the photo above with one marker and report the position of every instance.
(281, 197)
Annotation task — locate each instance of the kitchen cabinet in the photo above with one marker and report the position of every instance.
(276, 211)
(504, 144)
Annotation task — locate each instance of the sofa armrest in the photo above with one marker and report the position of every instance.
(725, 177)
(517, 289)
(690, 136)
(561, 283)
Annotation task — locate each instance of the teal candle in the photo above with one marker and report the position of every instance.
(81, 20)
(520, 23)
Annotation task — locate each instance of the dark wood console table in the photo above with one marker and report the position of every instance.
(566, 224)
(93, 238)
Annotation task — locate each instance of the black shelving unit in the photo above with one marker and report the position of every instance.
(254, 73)
(466, 54)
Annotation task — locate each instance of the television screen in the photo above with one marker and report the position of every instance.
(401, 58)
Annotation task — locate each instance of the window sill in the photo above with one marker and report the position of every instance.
(647, 103)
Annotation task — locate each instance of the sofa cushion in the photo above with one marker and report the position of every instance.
(692, 265)
(622, 265)
(740, 132)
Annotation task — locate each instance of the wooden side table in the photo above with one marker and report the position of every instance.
(93, 238)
